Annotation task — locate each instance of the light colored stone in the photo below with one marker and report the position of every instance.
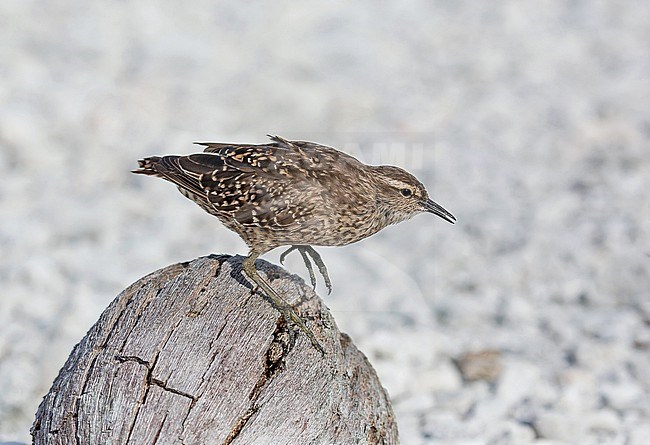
(562, 426)
(624, 395)
(480, 365)
(639, 434)
(510, 432)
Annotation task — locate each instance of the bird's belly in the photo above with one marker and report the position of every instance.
(311, 232)
(332, 232)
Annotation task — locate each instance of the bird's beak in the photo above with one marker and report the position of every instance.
(435, 208)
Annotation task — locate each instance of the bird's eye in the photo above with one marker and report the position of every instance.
(406, 192)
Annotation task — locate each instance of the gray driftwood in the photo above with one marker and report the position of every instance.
(190, 355)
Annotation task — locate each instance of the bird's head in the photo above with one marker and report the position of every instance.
(401, 196)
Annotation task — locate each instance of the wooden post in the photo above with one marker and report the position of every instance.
(191, 355)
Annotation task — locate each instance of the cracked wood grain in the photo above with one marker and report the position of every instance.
(192, 355)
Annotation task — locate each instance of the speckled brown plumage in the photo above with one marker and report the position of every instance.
(293, 193)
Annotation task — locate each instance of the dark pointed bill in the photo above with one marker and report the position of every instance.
(435, 208)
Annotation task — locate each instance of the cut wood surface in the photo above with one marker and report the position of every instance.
(191, 355)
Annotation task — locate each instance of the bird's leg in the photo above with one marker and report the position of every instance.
(304, 250)
(277, 301)
(305, 258)
(320, 264)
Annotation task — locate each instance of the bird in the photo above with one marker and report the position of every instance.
(293, 193)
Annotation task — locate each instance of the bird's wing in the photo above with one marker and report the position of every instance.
(226, 148)
(302, 155)
(249, 186)
(260, 184)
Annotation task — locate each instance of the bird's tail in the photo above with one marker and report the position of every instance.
(147, 166)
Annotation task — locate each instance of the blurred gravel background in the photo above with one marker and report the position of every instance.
(529, 120)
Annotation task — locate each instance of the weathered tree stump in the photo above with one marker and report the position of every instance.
(191, 355)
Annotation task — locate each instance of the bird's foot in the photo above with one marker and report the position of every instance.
(280, 304)
(316, 258)
(290, 314)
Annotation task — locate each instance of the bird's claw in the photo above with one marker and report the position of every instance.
(306, 252)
